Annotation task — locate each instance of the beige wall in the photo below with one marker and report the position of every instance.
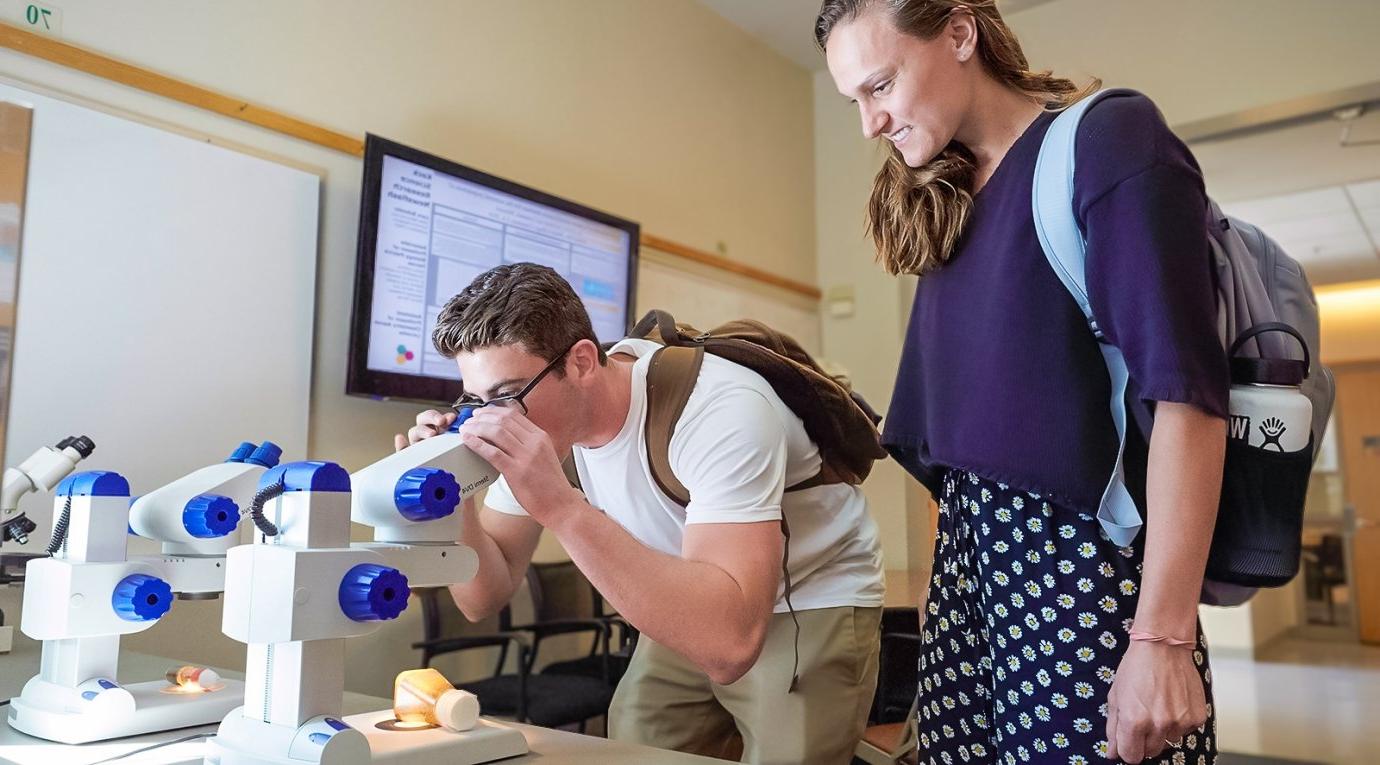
(661, 112)
(1205, 59)
(866, 343)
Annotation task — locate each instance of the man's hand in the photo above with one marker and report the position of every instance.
(525, 456)
(429, 423)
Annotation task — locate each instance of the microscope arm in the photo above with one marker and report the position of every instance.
(427, 565)
(40, 472)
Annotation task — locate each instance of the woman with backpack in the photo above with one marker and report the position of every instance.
(1045, 640)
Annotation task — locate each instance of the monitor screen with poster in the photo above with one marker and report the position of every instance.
(428, 227)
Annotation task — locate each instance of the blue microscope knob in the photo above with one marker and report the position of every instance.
(141, 598)
(370, 592)
(242, 452)
(266, 455)
(426, 493)
(209, 516)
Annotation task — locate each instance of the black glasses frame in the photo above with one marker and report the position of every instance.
(473, 403)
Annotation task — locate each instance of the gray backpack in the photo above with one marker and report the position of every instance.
(1257, 285)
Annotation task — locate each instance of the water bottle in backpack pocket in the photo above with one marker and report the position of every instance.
(1265, 477)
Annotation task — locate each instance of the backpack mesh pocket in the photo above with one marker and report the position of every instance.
(1260, 520)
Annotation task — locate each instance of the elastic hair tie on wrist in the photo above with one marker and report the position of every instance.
(1150, 637)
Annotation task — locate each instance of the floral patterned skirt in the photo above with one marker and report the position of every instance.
(1028, 616)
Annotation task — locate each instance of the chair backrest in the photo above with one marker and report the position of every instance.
(1331, 552)
(898, 683)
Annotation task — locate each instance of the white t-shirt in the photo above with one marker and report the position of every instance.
(736, 447)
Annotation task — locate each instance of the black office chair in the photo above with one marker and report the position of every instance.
(549, 699)
(890, 736)
(1325, 570)
(898, 668)
(564, 601)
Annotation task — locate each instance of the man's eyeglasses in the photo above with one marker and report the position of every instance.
(467, 404)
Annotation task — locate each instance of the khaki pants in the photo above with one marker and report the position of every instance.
(666, 702)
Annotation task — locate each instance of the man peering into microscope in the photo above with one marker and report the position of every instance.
(702, 583)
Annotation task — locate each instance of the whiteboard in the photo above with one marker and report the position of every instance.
(166, 297)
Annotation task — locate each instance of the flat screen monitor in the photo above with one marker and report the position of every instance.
(428, 226)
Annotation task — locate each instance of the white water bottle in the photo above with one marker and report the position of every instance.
(1267, 406)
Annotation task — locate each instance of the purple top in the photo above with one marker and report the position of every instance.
(1000, 374)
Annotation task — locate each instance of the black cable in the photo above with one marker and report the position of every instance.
(182, 740)
(59, 540)
(256, 508)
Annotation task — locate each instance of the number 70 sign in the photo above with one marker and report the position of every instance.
(36, 17)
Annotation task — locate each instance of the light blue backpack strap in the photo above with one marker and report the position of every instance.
(1064, 247)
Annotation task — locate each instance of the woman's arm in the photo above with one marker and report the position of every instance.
(1158, 696)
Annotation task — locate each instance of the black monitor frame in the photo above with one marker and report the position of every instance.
(360, 380)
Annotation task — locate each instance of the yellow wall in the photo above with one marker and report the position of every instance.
(1350, 316)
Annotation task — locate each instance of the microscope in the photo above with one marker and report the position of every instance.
(90, 591)
(40, 472)
(301, 589)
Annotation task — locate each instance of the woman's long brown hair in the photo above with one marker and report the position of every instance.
(916, 214)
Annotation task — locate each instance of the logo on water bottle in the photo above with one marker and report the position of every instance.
(1272, 429)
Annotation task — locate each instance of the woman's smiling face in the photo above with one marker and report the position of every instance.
(910, 91)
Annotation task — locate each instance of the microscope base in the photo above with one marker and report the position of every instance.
(485, 742)
(356, 740)
(67, 716)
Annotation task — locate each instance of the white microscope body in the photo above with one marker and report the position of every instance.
(40, 472)
(80, 601)
(196, 518)
(296, 596)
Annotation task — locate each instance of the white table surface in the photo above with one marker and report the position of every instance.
(546, 745)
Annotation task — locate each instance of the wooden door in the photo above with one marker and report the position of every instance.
(1358, 431)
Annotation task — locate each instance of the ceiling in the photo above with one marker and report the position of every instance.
(1319, 199)
(1332, 232)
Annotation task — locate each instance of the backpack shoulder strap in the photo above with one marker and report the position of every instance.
(1052, 203)
(1066, 250)
(671, 378)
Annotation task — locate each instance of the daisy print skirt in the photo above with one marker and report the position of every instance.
(1028, 615)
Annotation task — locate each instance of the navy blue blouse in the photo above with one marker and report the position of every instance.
(1000, 374)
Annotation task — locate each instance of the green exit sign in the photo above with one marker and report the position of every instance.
(37, 17)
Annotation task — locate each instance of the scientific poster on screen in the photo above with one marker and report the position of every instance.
(436, 233)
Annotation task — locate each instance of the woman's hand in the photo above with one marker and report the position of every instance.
(1156, 699)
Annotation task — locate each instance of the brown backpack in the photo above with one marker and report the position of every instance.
(836, 419)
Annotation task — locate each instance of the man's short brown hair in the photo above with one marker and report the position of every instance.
(517, 304)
